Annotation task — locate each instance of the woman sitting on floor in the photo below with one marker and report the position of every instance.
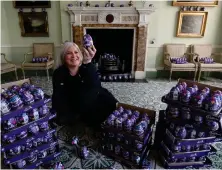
(77, 91)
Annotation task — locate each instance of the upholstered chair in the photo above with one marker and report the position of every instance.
(207, 61)
(174, 54)
(40, 50)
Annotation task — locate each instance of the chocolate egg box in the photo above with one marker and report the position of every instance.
(181, 142)
(178, 155)
(25, 127)
(131, 147)
(129, 163)
(184, 165)
(38, 163)
(130, 135)
(6, 147)
(26, 154)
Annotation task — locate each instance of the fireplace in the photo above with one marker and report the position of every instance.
(129, 23)
(115, 49)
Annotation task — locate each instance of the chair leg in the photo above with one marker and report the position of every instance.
(195, 74)
(16, 76)
(47, 72)
(170, 74)
(23, 72)
(199, 75)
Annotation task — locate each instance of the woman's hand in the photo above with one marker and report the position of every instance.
(88, 54)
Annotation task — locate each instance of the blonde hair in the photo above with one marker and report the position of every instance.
(64, 50)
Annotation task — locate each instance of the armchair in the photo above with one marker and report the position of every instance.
(173, 51)
(205, 50)
(8, 66)
(39, 50)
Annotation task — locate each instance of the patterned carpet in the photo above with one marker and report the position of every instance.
(146, 95)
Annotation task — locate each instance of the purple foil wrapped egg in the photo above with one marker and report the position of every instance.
(10, 139)
(195, 87)
(15, 101)
(44, 126)
(191, 90)
(34, 114)
(184, 84)
(15, 151)
(180, 87)
(43, 111)
(124, 116)
(84, 152)
(136, 159)
(192, 134)
(75, 140)
(136, 113)
(22, 134)
(197, 147)
(174, 112)
(180, 132)
(42, 154)
(145, 117)
(118, 122)
(87, 41)
(48, 138)
(127, 125)
(37, 93)
(116, 113)
(138, 130)
(202, 158)
(32, 157)
(115, 78)
(138, 145)
(4, 106)
(205, 146)
(109, 122)
(186, 148)
(117, 149)
(176, 148)
(125, 154)
(214, 126)
(185, 96)
(191, 159)
(214, 104)
(120, 109)
(198, 119)
(20, 164)
(10, 124)
(28, 146)
(14, 89)
(26, 97)
(34, 129)
(119, 137)
(37, 142)
(120, 77)
(201, 134)
(185, 113)
(58, 165)
(144, 124)
(23, 119)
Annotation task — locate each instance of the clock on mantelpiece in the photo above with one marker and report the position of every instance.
(32, 4)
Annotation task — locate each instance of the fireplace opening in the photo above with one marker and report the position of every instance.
(114, 50)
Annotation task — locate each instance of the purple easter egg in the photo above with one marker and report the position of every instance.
(174, 112)
(214, 104)
(84, 152)
(26, 97)
(202, 158)
(34, 114)
(15, 151)
(197, 147)
(127, 125)
(112, 116)
(125, 154)
(198, 119)
(87, 41)
(119, 137)
(33, 157)
(176, 148)
(195, 87)
(23, 119)
(185, 113)
(10, 124)
(37, 93)
(136, 159)
(205, 146)
(124, 116)
(117, 149)
(185, 96)
(138, 130)
(58, 165)
(201, 134)
(184, 159)
(44, 126)
(118, 122)
(116, 113)
(37, 142)
(42, 154)
(186, 148)
(145, 117)
(120, 109)
(136, 113)
(144, 124)
(138, 145)
(15, 101)
(129, 112)
(43, 111)
(192, 134)
(5, 108)
(34, 129)
(214, 126)
(75, 140)
(180, 132)
(22, 134)
(20, 164)
(52, 150)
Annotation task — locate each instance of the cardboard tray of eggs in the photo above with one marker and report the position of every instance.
(199, 98)
(132, 122)
(184, 163)
(26, 104)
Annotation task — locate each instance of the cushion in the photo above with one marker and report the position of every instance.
(213, 65)
(39, 64)
(186, 65)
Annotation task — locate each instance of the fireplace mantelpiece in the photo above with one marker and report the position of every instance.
(81, 17)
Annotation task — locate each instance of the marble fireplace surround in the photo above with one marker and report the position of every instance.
(124, 17)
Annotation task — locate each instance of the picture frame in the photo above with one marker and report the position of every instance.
(34, 24)
(32, 4)
(191, 23)
(195, 3)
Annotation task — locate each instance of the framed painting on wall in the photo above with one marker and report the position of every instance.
(34, 24)
(191, 23)
(32, 4)
(195, 2)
